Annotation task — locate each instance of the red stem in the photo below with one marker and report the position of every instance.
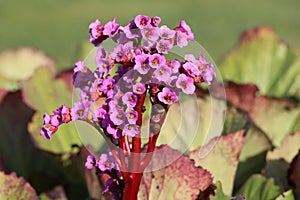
(132, 184)
(136, 141)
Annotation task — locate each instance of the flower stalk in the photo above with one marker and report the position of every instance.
(136, 68)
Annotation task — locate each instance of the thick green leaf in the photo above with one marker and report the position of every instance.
(219, 193)
(288, 195)
(44, 93)
(287, 150)
(24, 158)
(192, 123)
(252, 160)
(12, 187)
(278, 170)
(16, 65)
(263, 59)
(179, 179)
(221, 196)
(260, 188)
(276, 117)
(222, 160)
(280, 159)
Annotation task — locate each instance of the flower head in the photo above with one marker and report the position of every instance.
(155, 21)
(142, 21)
(111, 28)
(131, 130)
(139, 88)
(167, 96)
(96, 33)
(141, 63)
(163, 46)
(163, 73)
(91, 162)
(184, 28)
(175, 65)
(186, 84)
(117, 117)
(156, 60)
(129, 99)
(105, 162)
(150, 33)
(166, 33)
(80, 110)
(47, 131)
(132, 116)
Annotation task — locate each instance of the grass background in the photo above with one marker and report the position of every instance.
(59, 27)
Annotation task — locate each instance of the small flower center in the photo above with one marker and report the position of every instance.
(161, 71)
(155, 61)
(130, 127)
(80, 112)
(143, 22)
(120, 116)
(168, 98)
(107, 163)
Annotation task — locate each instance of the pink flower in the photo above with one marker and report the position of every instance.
(163, 46)
(129, 99)
(150, 33)
(96, 33)
(166, 33)
(155, 21)
(111, 28)
(142, 21)
(105, 162)
(162, 73)
(131, 130)
(90, 162)
(156, 60)
(167, 96)
(186, 84)
(132, 116)
(139, 88)
(141, 64)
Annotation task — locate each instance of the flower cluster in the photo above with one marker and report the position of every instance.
(51, 122)
(141, 67)
(136, 67)
(105, 162)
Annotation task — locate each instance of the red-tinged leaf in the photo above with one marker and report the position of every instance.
(287, 150)
(241, 96)
(261, 58)
(44, 93)
(223, 159)
(12, 187)
(2, 94)
(20, 64)
(42, 169)
(278, 160)
(294, 173)
(267, 113)
(275, 117)
(252, 160)
(179, 179)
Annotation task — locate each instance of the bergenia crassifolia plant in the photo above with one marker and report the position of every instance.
(135, 71)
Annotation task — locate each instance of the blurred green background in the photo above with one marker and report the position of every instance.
(58, 27)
